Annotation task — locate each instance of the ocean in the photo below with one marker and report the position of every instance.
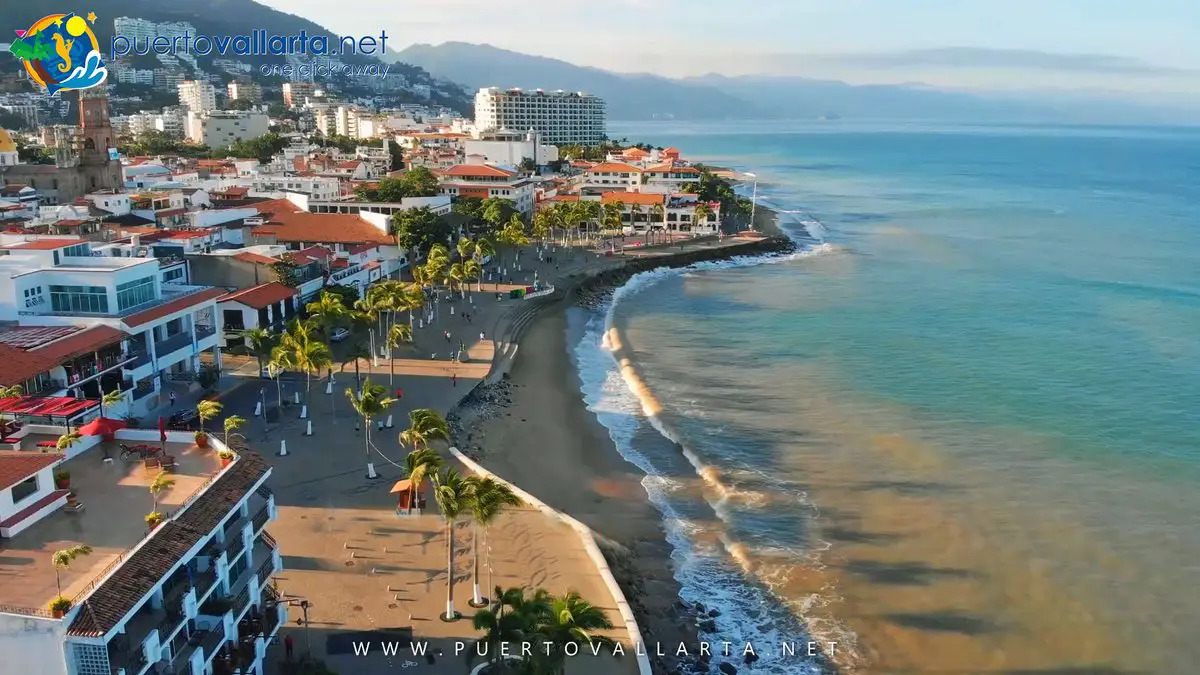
(960, 431)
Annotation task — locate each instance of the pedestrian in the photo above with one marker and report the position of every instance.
(172, 399)
(399, 393)
(289, 646)
(447, 336)
(454, 380)
(481, 336)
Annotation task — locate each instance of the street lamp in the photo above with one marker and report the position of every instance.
(753, 198)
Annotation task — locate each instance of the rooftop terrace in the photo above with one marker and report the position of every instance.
(116, 498)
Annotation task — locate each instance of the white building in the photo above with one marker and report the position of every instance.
(247, 91)
(512, 152)
(319, 188)
(197, 95)
(479, 180)
(559, 116)
(218, 129)
(612, 176)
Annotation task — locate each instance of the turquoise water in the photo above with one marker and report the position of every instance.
(962, 437)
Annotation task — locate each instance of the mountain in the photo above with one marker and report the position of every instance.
(628, 97)
(218, 18)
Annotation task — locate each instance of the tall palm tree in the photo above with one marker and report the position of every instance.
(161, 483)
(259, 342)
(488, 498)
(466, 249)
(703, 211)
(232, 424)
(418, 465)
(571, 620)
(371, 403)
(456, 275)
(635, 212)
(207, 410)
(453, 495)
(424, 425)
(484, 248)
(327, 312)
(472, 271)
(612, 215)
(512, 618)
(63, 558)
(410, 298)
(111, 399)
(299, 349)
(398, 334)
(660, 214)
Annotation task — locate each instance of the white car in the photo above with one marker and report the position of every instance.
(339, 335)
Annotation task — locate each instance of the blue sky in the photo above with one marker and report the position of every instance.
(1150, 45)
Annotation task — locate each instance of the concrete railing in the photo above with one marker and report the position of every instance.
(593, 552)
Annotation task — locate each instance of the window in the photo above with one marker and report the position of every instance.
(133, 293)
(25, 488)
(78, 250)
(79, 299)
(171, 275)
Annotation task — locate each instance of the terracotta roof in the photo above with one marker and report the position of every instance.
(69, 223)
(671, 168)
(352, 164)
(173, 306)
(629, 198)
(322, 228)
(17, 466)
(43, 244)
(476, 171)
(277, 206)
(355, 250)
(165, 213)
(188, 234)
(255, 258)
(165, 548)
(564, 198)
(260, 296)
(634, 152)
(236, 192)
(21, 364)
(613, 167)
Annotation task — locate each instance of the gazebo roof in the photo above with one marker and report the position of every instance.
(45, 406)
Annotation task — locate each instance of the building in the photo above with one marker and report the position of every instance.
(221, 128)
(8, 150)
(266, 305)
(560, 117)
(320, 188)
(298, 93)
(640, 212)
(192, 595)
(85, 158)
(612, 176)
(512, 151)
(197, 96)
(480, 180)
(169, 328)
(245, 91)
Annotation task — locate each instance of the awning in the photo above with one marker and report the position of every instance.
(46, 406)
(403, 485)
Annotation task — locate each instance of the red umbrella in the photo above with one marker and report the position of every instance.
(162, 429)
(102, 426)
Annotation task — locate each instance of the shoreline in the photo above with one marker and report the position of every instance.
(533, 401)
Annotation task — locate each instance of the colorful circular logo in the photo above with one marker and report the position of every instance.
(60, 52)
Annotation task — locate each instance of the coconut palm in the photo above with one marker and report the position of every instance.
(660, 214)
(453, 495)
(612, 215)
(161, 482)
(635, 213)
(466, 249)
(63, 558)
(509, 622)
(418, 465)
(483, 249)
(703, 211)
(327, 312)
(424, 425)
(300, 350)
(110, 399)
(458, 275)
(67, 440)
(232, 424)
(571, 620)
(488, 498)
(397, 335)
(207, 410)
(371, 403)
(260, 342)
(472, 271)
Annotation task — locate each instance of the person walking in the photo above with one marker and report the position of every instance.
(172, 398)
(481, 336)
(289, 647)
(454, 380)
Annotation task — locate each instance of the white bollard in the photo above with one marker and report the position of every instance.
(420, 323)
(380, 425)
(389, 422)
(258, 408)
(282, 448)
(470, 299)
(304, 411)
(329, 387)
(371, 471)
(451, 310)
(296, 397)
(308, 429)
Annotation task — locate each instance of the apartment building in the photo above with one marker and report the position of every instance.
(168, 328)
(197, 96)
(298, 93)
(245, 91)
(612, 176)
(485, 180)
(678, 216)
(560, 117)
(191, 596)
(319, 188)
(219, 129)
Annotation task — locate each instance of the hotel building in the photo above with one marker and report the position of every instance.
(197, 96)
(559, 116)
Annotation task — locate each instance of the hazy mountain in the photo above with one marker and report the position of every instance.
(627, 96)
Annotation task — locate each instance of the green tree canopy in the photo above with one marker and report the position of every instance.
(419, 228)
(416, 182)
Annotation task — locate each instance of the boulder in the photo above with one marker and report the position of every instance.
(727, 669)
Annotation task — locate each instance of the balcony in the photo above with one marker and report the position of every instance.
(261, 518)
(163, 348)
(138, 358)
(266, 569)
(121, 654)
(203, 332)
(204, 582)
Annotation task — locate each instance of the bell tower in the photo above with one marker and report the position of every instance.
(95, 130)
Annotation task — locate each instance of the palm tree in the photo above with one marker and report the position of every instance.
(67, 440)
(207, 410)
(635, 210)
(483, 249)
(612, 215)
(466, 249)
(327, 312)
(162, 481)
(109, 400)
(260, 342)
(371, 403)
(659, 214)
(571, 620)
(424, 425)
(14, 391)
(299, 349)
(63, 558)
(703, 211)
(419, 464)
(488, 498)
(398, 334)
(473, 272)
(232, 424)
(453, 495)
(506, 622)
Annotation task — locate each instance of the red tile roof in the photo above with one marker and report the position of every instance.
(629, 198)
(634, 152)
(21, 364)
(173, 306)
(18, 466)
(355, 250)
(43, 244)
(322, 228)
(255, 258)
(260, 296)
(475, 171)
(613, 167)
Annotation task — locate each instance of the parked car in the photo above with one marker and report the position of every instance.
(184, 420)
(339, 335)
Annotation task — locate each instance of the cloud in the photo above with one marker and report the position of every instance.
(1009, 59)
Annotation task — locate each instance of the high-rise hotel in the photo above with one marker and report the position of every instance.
(559, 116)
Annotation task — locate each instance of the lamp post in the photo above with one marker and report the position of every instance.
(753, 199)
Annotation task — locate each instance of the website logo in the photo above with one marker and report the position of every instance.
(60, 52)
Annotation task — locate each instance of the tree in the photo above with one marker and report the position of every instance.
(424, 425)
(457, 275)
(111, 399)
(472, 271)
(527, 165)
(541, 619)
(327, 313)
(418, 465)
(543, 223)
(63, 558)
(300, 350)
(472, 207)
(513, 234)
(161, 483)
(207, 410)
(419, 181)
(232, 424)
(259, 342)
(466, 248)
(660, 214)
(66, 440)
(240, 104)
(347, 294)
(703, 211)
(397, 335)
(612, 215)
(488, 498)
(571, 620)
(371, 403)
(419, 229)
(453, 494)
(208, 377)
(262, 148)
(494, 212)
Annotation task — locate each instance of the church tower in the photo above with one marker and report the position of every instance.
(95, 138)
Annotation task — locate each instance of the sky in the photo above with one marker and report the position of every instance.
(1147, 46)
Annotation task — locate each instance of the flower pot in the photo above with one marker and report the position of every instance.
(225, 461)
(62, 483)
(57, 613)
(72, 499)
(154, 525)
(201, 441)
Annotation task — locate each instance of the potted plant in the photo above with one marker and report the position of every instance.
(205, 410)
(62, 479)
(153, 519)
(72, 500)
(59, 606)
(226, 457)
(201, 439)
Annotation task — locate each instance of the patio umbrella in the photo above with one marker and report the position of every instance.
(102, 426)
(162, 431)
